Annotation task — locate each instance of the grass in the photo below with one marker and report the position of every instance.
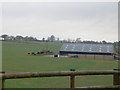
(15, 59)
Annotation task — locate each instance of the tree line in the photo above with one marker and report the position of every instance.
(6, 37)
(51, 38)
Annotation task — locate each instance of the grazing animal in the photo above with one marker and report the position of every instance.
(29, 53)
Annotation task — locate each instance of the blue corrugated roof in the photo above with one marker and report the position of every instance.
(92, 48)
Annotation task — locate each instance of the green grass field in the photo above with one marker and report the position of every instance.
(15, 59)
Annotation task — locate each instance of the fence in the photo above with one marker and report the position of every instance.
(72, 73)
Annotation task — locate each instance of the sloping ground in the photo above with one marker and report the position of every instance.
(15, 59)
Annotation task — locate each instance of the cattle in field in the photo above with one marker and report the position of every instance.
(42, 52)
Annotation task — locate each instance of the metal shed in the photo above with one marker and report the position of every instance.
(87, 49)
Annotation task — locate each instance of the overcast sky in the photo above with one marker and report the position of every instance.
(87, 20)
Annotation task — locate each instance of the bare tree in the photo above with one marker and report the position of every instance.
(43, 39)
(52, 38)
(19, 38)
(78, 40)
(5, 36)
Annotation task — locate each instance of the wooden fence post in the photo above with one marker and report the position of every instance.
(72, 80)
(116, 78)
(2, 82)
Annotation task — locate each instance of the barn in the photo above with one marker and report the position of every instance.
(82, 50)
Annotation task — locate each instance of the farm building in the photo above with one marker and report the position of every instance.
(95, 51)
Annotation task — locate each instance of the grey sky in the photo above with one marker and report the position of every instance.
(88, 20)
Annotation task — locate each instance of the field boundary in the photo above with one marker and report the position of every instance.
(72, 73)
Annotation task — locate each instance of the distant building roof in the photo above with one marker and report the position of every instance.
(87, 48)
